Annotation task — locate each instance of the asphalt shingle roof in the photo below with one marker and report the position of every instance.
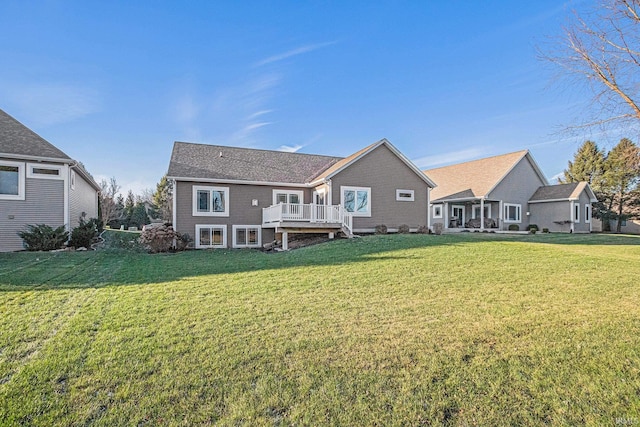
(203, 161)
(19, 140)
(472, 179)
(558, 192)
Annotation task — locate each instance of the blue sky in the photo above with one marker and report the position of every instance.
(113, 84)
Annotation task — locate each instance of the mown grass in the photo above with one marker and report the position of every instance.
(472, 329)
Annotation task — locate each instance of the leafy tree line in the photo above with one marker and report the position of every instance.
(614, 176)
(135, 210)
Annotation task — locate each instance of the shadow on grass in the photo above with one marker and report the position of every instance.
(50, 271)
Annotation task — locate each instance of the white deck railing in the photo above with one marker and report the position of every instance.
(325, 214)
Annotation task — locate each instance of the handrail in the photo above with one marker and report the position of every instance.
(327, 214)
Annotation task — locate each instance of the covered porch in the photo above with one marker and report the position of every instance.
(471, 214)
(306, 218)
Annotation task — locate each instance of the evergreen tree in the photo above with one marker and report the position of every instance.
(587, 165)
(163, 198)
(621, 178)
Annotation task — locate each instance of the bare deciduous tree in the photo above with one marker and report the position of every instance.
(108, 192)
(601, 49)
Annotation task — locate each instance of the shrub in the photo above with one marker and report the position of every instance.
(85, 234)
(437, 228)
(161, 238)
(423, 229)
(381, 229)
(403, 229)
(532, 227)
(514, 227)
(545, 230)
(42, 237)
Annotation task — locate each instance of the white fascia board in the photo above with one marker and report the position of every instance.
(36, 158)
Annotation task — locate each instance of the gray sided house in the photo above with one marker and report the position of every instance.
(505, 192)
(240, 197)
(563, 207)
(39, 184)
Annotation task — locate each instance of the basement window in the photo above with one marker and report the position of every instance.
(211, 236)
(246, 236)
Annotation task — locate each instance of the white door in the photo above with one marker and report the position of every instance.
(457, 214)
(318, 210)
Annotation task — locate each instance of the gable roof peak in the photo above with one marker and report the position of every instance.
(477, 178)
(18, 140)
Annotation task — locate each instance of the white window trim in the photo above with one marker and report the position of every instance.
(435, 215)
(344, 188)
(506, 207)
(222, 227)
(576, 213)
(405, 199)
(21, 181)
(208, 188)
(300, 194)
(473, 210)
(587, 213)
(464, 213)
(247, 227)
(32, 174)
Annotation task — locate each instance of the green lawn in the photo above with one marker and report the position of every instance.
(471, 329)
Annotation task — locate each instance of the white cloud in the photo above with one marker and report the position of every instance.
(290, 148)
(554, 179)
(52, 103)
(293, 52)
(451, 157)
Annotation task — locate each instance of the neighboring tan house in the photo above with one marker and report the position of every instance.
(39, 184)
(506, 191)
(240, 197)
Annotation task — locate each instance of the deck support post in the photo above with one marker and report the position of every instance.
(285, 242)
(331, 235)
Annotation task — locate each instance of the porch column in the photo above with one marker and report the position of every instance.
(482, 214)
(446, 214)
(285, 242)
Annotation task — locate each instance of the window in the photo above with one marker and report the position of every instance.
(587, 213)
(576, 212)
(11, 180)
(288, 196)
(247, 236)
(44, 171)
(512, 213)
(73, 180)
(405, 195)
(437, 211)
(356, 200)
(475, 212)
(211, 236)
(210, 201)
